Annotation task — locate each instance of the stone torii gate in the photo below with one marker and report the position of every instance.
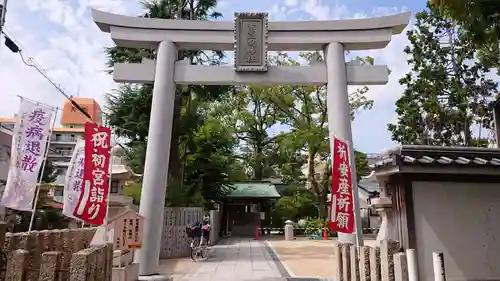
(251, 36)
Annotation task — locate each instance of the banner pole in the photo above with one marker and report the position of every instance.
(358, 226)
(110, 179)
(38, 186)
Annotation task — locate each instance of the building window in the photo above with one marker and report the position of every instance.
(114, 186)
(58, 192)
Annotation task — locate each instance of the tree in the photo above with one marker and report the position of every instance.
(129, 108)
(481, 21)
(362, 167)
(300, 204)
(480, 18)
(304, 110)
(447, 89)
(252, 116)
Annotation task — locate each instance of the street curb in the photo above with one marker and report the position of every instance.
(282, 268)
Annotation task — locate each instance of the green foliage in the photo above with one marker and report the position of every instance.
(133, 190)
(210, 163)
(480, 18)
(201, 163)
(446, 91)
(251, 115)
(362, 167)
(299, 204)
(303, 108)
(317, 226)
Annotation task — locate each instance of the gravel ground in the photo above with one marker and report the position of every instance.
(307, 258)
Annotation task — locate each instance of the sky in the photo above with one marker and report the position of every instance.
(61, 36)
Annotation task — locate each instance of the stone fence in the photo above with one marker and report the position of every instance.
(51, 255)
(384, 263)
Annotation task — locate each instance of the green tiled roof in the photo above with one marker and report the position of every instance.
(254, 190)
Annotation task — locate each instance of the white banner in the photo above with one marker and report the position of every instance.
(29, 143)
(73, 181)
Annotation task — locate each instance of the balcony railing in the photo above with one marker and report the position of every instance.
(60, 153)
(63, 139)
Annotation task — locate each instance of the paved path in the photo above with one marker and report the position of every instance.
(237, 259)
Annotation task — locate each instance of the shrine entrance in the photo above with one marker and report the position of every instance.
(251, 36)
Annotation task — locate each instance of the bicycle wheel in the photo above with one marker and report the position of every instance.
(204, 251)
(192, 254)
(194, 249)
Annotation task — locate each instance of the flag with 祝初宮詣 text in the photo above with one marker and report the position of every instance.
(29, 144)
(92, 204)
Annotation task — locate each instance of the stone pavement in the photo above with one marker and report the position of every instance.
(237, 259)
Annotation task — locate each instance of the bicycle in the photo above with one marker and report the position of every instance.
(198, 248)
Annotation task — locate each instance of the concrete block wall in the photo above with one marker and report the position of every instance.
(366, 263)
(51, 255)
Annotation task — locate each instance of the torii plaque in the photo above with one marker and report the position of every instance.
(250, 42)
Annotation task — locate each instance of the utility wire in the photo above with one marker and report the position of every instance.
(13, 46)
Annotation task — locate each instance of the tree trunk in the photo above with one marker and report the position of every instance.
(259, 166)
(323, 206)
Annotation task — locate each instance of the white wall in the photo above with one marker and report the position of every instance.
(463, 221)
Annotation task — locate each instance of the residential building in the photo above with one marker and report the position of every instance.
(62, 143)
(65, 136)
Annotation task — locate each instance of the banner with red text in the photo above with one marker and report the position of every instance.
(341, 208)
(91, 207)
(29, 144)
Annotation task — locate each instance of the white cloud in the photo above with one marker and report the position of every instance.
(62, 38)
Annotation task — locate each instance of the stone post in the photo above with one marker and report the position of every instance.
(82, 265)
(438, 265)
(375, 274)
(17, 265)
(400, 267)
(411, 258)
(354, 263)
(339, 124)
(337, 251)
(49, 264)
(364, 264)
(289, 230)
(346, 262)
(387, 250)
(157, 156)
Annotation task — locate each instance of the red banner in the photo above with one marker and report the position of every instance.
(91, 206)
(341, 208)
